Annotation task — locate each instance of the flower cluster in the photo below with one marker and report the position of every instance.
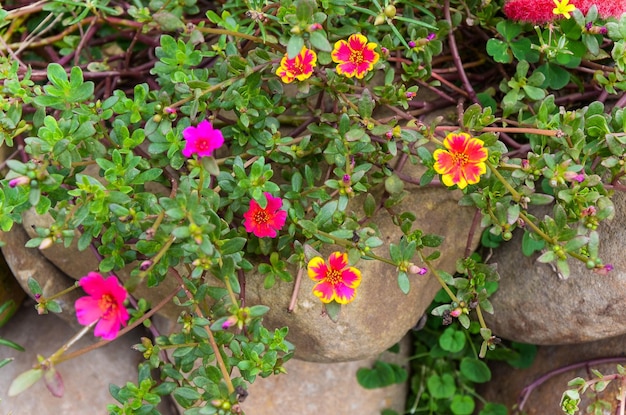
(354, 57)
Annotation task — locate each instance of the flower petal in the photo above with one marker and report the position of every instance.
(107, 328)
(341, 52)
(351, 277)
(344, 294)
(316, 268)
(87, 310)
(338, 260)
(325, 291)
(444, 162)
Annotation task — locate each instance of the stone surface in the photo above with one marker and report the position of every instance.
(86, 378)
(507, 383)
(11, 294)
(534, 305)
(381, 314)
(326, 388)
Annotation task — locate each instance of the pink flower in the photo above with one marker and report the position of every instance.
(335, 279)
(265, 222)
(355, 57)
(104, 302)
(202, 140)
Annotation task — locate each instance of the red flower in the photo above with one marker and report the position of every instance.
(105, 302)
(265, 221)
(202, 140)
(355, 57)
(335, 280)
(463, 161)
(300, 67)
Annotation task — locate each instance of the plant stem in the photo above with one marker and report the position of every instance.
(516, 196)
(212, 342)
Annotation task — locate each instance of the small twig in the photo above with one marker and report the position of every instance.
(296, 288)
(456, 57)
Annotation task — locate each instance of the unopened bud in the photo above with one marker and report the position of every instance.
(145, 265)
(46, 243)
(19, 181)
(380, 19)
(456, 312)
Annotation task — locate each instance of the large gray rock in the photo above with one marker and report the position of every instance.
(534, 305)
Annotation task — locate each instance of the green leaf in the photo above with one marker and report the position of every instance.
(381, 375)
(24, 381)
(441, 387)
(491, 408)
(332, 310)
(403, 282)
(499, 50)
(462, 405)
(475, 370)
(556, 76)
(320, 41)
(34, 286)
(452, 340)
(294, 46)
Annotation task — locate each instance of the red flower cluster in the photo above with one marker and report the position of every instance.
(541, 11)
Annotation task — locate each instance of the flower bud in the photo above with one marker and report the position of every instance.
(414, 269)
(456, 312)
(19, 181)
(145, 265)
(390, 11)
(313, 27)
(46, 243)
(380, 19)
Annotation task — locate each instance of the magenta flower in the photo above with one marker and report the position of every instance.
(265, 222)
(104, 302)
(202, 140)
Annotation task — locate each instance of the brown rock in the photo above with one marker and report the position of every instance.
(534, 305)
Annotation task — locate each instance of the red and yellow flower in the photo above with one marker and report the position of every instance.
(300, 67)
(463, 160)
(355, 57)
(335, 279)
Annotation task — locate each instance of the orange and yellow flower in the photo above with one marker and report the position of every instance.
(335, 279)
(355, 57)
(463, 161)
(300, 67)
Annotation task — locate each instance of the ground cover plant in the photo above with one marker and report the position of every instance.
(197, 141)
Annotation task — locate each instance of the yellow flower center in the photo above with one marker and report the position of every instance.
(107, 304)
(356, 56)
(460, 159)
(333, 276)
(261, 216)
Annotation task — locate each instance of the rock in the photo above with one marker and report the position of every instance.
(11, 294)
(86, 378)
(381, 314)
(534, 305)
(578, 360)
(26, 263)
(326, 388)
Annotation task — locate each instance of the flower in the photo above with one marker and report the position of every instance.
(354, 57)
(19, 181)
(563, 8)
(265, 221)
(202, 140)
(104, 302)
(463, 162)
(300, 67)
(335, 279)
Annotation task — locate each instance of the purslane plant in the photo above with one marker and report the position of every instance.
(241, 137)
